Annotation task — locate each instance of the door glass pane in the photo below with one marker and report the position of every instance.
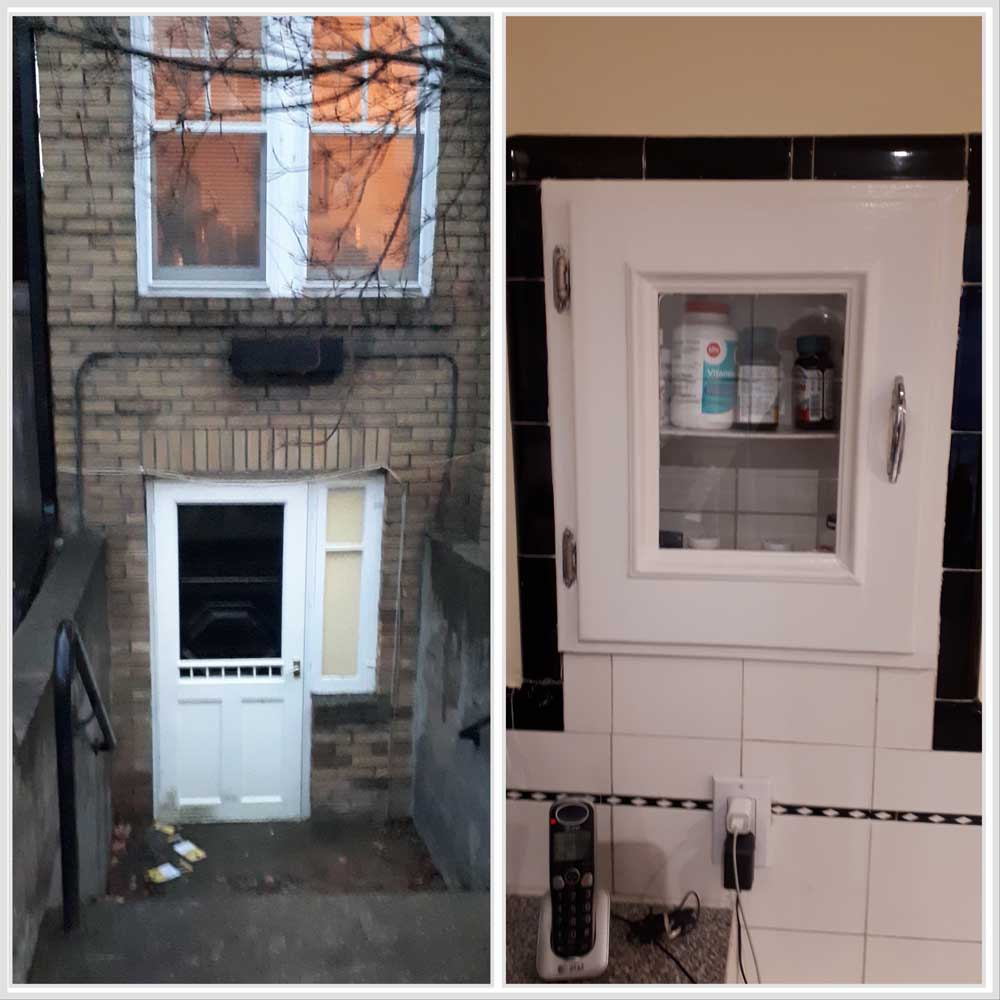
(345, 515)
(229, 562)
(750, 389)
(341, 610)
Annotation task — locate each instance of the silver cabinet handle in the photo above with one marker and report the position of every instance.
(897, 437)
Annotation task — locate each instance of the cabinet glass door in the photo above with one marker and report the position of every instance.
(749, 420)
(727, 424)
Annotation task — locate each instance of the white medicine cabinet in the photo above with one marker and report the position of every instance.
(750, 389)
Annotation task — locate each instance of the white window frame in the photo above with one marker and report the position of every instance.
(363, 680)
(286, 188)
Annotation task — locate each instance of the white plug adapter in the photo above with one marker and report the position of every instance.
(739, 815)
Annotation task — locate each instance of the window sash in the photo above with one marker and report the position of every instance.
(285, 192)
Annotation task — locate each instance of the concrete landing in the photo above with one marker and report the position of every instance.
(424, 937)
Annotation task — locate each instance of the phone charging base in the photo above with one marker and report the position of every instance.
(552, 967)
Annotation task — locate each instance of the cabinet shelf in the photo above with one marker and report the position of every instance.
(787, 434)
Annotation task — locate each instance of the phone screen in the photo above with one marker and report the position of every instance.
(573, 845)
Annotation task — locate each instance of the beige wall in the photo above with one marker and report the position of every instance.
(742, 75)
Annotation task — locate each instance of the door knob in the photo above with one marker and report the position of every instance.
(296, 668)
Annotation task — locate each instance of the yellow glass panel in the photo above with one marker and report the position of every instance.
(345, 516)
(341, 611)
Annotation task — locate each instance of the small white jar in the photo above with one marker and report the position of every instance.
(703, 368)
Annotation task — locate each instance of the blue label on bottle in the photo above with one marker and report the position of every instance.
(718, 377)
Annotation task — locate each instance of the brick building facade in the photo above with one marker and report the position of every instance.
(144, 387)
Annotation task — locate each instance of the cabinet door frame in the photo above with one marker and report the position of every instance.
(928, 455)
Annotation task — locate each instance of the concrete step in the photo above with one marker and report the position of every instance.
(433, 937)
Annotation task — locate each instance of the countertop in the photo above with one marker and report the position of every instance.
(703, 951)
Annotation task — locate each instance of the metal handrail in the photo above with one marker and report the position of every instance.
(70, 657)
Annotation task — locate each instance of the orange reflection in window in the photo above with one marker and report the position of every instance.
(337, 34)
(186, 33)
(207, 200)
(337, 94)
(180, 93)
(226, 34)
(392, 88)
(359, 201)
(234, 96)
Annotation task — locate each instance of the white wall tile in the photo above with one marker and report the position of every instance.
(527, 837)
(905, 709)
(559, 762)
(928, 781)
(909, 960)
(925, 881)
(701, 524)
(659, 854)
(806, 957)
(811, 773)
(809, 703)
(816, 877)
(675, 696)
(672, 767)
(586, 693)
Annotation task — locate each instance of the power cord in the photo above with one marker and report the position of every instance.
(741, 922)
(675, 923)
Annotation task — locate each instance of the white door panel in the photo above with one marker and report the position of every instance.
(893, 251)
(228, 728)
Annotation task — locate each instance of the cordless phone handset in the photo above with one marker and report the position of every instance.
(571, 877)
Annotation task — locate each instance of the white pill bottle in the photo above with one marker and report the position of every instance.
(703, 368)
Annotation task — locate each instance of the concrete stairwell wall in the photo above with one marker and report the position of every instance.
(74, 588)
(451, 776)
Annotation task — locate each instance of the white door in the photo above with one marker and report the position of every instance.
(761, 535)
(227, 594)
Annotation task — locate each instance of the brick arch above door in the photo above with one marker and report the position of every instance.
(287, 450)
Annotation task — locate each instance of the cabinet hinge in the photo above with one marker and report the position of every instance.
(560, 279)
(569, 558)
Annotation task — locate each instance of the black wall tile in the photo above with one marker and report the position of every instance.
(718, 158)
(964, 513)
(527, 353)
(958, 725)
(536, 533)
(967, 401)
(802, 157)
(524, 231)
(973, 265)
(916, 157)
(539, 642)
(958, 651)
(534, 157)
(537, 706)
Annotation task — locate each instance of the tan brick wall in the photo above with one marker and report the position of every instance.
(182, 383)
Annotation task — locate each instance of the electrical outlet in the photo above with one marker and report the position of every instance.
(758, 789)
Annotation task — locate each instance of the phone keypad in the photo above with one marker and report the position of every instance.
(572, 913)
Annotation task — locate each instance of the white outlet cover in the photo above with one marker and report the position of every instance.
(758, 789)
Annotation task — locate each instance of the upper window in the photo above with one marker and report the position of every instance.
(284, 155)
